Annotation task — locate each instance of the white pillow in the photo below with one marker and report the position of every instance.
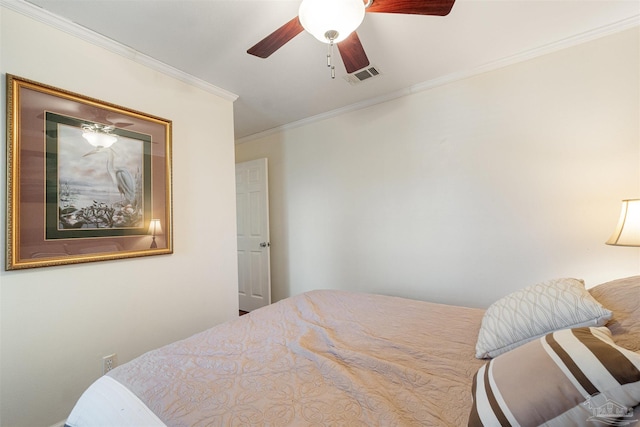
(535, 311)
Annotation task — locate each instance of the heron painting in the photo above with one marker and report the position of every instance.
(99, 187)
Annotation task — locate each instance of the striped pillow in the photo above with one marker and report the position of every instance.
(565, 378)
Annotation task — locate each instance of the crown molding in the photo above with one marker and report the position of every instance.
(39, 14)
(616, 27)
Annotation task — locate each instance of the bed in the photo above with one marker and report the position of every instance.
(329, 358)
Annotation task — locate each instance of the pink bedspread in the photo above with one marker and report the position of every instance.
(324, 358)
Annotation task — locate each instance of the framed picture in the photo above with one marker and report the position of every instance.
(86, 180)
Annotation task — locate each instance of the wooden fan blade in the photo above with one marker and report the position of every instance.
(274, 41)
(352, 53)
(415, 7)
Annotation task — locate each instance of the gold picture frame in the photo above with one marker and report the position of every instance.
(86, 180)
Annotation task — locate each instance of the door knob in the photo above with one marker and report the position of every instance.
(265, 244)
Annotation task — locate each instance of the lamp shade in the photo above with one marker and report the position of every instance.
(320, 17)
(154, 227)
(627, 232)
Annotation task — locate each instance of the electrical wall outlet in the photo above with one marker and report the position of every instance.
(109, 362)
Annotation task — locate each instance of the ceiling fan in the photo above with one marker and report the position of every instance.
(335, 21)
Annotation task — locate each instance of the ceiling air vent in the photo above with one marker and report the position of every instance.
(362, 75)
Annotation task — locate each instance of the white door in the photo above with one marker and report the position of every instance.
(252, 207)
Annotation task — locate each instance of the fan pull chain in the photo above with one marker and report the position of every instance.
(329, 64)
(331, 35)
(329, 46)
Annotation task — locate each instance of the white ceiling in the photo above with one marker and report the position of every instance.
(208, 39)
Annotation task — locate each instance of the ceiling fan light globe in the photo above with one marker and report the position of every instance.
(99, 139)
(319, 17)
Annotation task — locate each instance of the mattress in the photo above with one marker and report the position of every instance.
(323, 358)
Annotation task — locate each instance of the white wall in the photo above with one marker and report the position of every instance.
(467, 191)
(58, 322)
